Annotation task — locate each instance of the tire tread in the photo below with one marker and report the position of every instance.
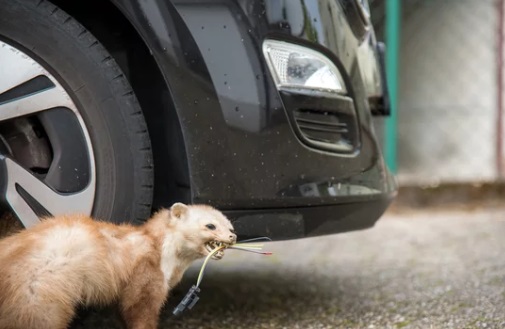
(124, 94)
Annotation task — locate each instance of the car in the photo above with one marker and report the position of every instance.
(263, 109)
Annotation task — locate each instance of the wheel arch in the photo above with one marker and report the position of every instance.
(119, 35)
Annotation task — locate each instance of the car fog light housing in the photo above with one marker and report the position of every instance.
(297, 67)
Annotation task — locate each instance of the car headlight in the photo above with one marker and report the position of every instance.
(297, 67)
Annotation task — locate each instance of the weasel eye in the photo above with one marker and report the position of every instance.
(211, 226)
(232, 231)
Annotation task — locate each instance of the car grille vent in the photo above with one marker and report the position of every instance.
(326, 129)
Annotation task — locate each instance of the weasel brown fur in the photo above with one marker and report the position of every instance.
(48, 270)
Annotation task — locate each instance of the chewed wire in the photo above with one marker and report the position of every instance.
(243, 245)
(209, 256)
(262, 238)
(267, 253)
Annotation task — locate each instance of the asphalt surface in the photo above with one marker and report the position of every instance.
(435, 269)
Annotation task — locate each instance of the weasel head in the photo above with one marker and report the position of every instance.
(202, 228)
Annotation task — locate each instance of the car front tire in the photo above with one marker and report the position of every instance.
(84, 141)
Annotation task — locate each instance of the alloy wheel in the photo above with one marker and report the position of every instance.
(47, 165)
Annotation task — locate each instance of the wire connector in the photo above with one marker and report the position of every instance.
(188, 301)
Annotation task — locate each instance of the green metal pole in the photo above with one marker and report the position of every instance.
(392, 59)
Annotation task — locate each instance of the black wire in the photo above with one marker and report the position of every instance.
(263, 238)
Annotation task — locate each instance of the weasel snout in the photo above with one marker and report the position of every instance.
(233, 236)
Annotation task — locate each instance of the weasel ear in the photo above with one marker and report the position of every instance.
(178, 210)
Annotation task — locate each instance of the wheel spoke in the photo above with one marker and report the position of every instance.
(20, 68)
(55, 203)
(33, 103)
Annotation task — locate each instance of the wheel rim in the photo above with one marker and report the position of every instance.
(28, 194)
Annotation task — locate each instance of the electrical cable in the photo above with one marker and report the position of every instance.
(192, 296)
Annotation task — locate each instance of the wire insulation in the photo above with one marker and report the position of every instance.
(263, 238)
(252, 250)
(212, 253)
(241, 245)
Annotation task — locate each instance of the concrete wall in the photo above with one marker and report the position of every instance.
(447, 105)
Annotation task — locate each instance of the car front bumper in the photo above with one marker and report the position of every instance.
(300, 222)
(244, 152)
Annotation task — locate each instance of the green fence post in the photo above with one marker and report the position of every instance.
(392, 59)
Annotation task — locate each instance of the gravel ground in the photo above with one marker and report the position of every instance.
(443, 269)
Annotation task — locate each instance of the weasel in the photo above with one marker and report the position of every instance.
(66, 261)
